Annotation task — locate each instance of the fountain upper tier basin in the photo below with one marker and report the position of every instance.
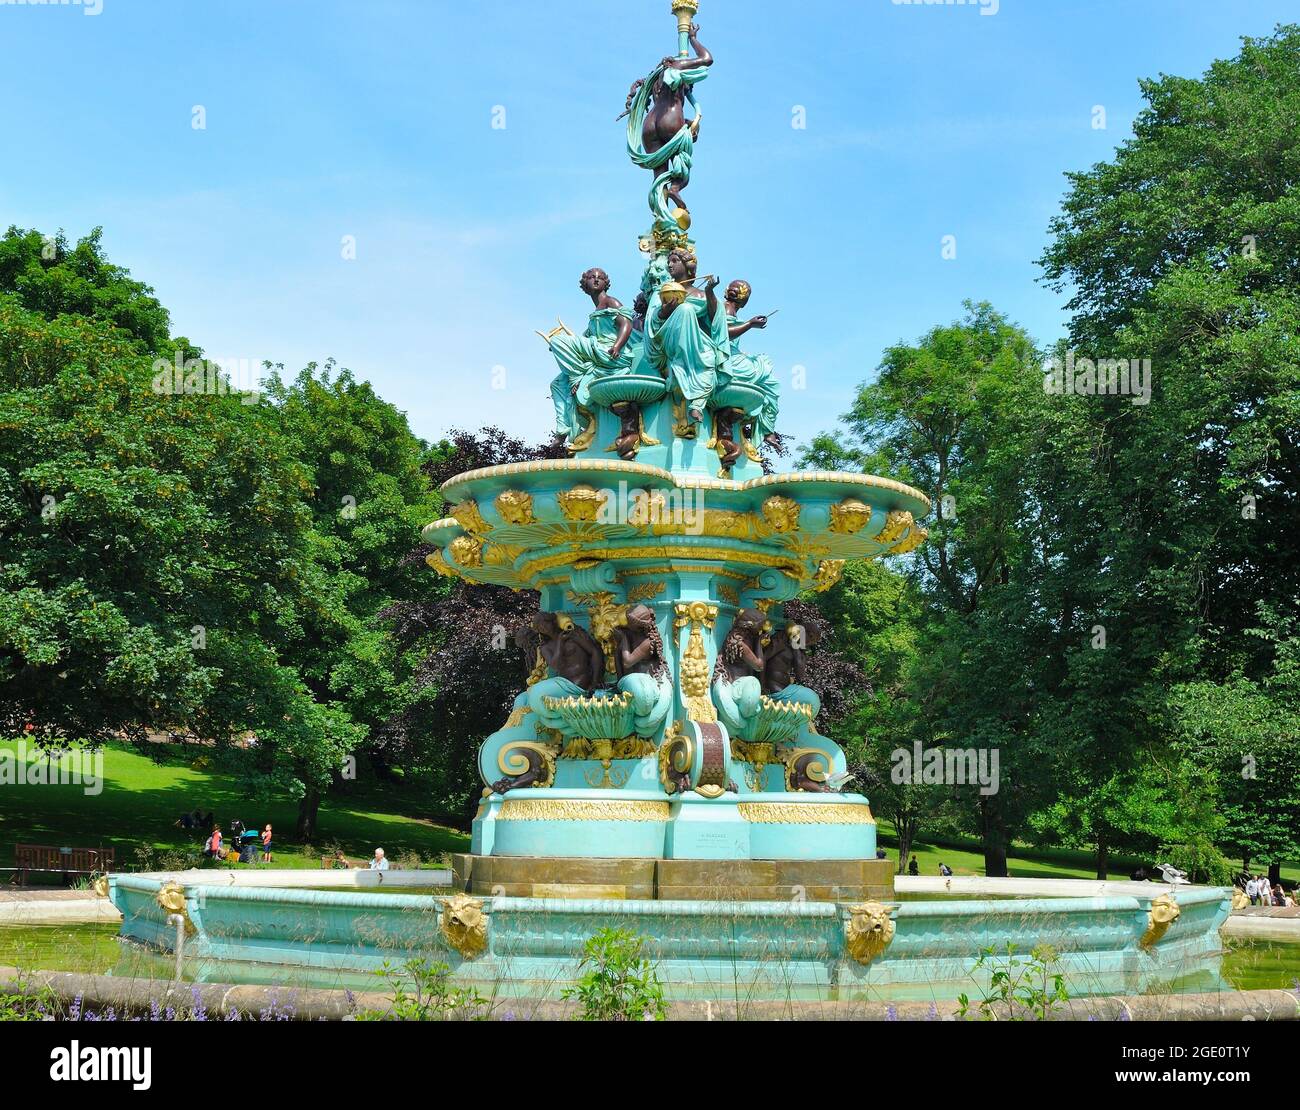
(518, 524)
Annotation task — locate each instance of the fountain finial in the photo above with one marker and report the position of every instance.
(685, 11)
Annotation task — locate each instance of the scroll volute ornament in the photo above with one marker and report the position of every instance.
(868, 931)
(1163, 913)
(463, 924)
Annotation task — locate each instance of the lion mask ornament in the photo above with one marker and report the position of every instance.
(868, 932)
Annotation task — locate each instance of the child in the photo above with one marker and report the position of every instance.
(266, 844)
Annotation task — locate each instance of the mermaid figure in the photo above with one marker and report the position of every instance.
(608, 346)
(642, 669)
(737, 676)
(754, 371)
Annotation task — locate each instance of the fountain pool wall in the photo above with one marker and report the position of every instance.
(532, 946)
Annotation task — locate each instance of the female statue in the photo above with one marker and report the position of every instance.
(737, 675)
(643, 670)
(754, 371)
(686, 333)
(606, 347)
(659, 137)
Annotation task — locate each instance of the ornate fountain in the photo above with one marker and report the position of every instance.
(662, 768)
(664, 716)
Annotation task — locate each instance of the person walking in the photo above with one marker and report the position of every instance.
(266, 844)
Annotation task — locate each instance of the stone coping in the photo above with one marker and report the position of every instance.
(98, 992)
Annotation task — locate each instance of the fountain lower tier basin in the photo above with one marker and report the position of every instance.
(507, 946)
(645, 824)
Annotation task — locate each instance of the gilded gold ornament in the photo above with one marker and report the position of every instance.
(463, 924)
(581, 504)
(850, 516)
(868, 931)
(466, 514)
(1163, 913)
(806, 813)
(573, 809)
(782, 513)
(515, 506)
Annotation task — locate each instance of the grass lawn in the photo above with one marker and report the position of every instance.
(141, 800)
(1023, 862)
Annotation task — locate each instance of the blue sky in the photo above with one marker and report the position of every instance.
(374, 120)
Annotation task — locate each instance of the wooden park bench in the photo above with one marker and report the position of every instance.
(61, 861)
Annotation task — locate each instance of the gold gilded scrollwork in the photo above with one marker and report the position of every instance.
(513, 762)
(817, 769)
(868, 931)
(463, 924)
(1163, 913)
(515, 506)
(757, 754)
(645, 591)
(676, 754)
(699, 615)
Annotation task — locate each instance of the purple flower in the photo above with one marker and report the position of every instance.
(74, 1012)
(891, 1012)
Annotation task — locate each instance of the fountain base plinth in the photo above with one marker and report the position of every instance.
(749, 880)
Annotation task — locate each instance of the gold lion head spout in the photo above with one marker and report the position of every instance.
(1164, 912)
(464, 925)
(868, 931)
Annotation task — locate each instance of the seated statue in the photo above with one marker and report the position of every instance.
(574, 660)
(643, 670)
(686, 334)
(785, 670)
(608, 346)
(751, 370)
(737, 675)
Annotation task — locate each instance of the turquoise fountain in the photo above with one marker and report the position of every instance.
(662, 767)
